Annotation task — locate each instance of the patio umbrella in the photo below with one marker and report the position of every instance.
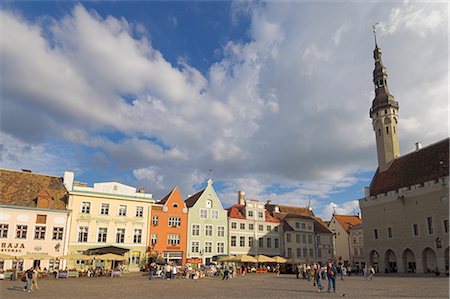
(295, 260)
(4, 256)
(77, 256)
(110, 257)
(264, 259)
(36, 256)
(279, 259)
(226, 258)
(243, 258)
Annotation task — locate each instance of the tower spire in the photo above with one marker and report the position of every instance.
(384, 113)
(374, 28)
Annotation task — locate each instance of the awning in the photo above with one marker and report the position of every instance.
(106, 249)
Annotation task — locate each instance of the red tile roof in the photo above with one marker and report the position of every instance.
(22, 189)
(427, 164)
(190, 202)
(296, 211)
(238, 212)
(347, 221)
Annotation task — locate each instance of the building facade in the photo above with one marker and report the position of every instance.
(168, 228)
(207, 227)
(405, 209)
(109, 215)
(340, 226)
(33, 219)
(357, 247)
(252, 230)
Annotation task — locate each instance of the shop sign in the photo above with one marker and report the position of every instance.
(11, 247)
(194, 260)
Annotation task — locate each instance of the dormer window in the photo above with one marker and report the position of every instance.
(175, 205)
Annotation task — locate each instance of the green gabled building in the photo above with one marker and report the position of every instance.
(207, 226)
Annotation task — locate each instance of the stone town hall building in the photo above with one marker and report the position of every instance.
(405, 209)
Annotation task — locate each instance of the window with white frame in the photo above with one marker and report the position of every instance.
(173, 239)
(250, 241)
(288, 237)
(260, 242)
(269, 242)
(83, 233)
(260, 227)
(85, 207)
(276, 243)
(221, 231)
(250, 226)
(260, 215)
(120, 235)
(4, 230)
(137, 236)
(233, 241)
(154, 238)
(250, 214)
(208, 230)
(233, 225)
(122, 210)
(102, 234)
(242, 226)
(135, 258)
(297, 238)
(310, 239)
(174, 221)
(208, 247)
(305, 252)
(311, 252)
(58, 233)
(289, 252)
(299, 252)
(203, 213)
(155, 220)
(297, 225)
(215, 214)
(209, 203)
(104, 209)
(195, 230)
(139, 211)
(269, 228)
(39, 232)
(220, 247)
(195, 246)
(304, 239)
(242, 241)
(275, 229)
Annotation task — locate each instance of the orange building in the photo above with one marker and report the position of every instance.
(168, 228)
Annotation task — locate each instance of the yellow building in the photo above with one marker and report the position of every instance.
(109, 217)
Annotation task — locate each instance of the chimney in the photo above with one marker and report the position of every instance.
(142, 190)
(418, 145)
(241, 197)
(359, 215)
(68, 180)
(26, 170)
(277, 209)
(366, 192)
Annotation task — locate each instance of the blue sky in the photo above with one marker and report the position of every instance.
(273, 97)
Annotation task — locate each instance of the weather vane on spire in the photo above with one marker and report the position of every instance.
(374, 28)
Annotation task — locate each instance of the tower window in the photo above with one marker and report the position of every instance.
(394, 130)
(385, 111)
(379, 132)
(387, 130)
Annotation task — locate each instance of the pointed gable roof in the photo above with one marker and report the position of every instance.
(191, 201)
(236, 212)
(427, 164)
(347, 221)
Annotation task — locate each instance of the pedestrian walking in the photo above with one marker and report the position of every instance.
(308, 272)
(318, 277)
(28, 278)
(331, 276)
(226, 272)
(371, 272)
(152, 269)
(277, 269)
(34, 279)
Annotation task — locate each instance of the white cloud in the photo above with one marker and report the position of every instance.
(345, 208)
(288, 108)
(150, 174)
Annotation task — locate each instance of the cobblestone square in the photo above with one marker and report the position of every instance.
(135, 285)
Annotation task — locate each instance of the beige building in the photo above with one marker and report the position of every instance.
(252, 230)
(109, 218)
(33, 220)
(357, 246)
(405, 209)
(340, 226)
(305, 236)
